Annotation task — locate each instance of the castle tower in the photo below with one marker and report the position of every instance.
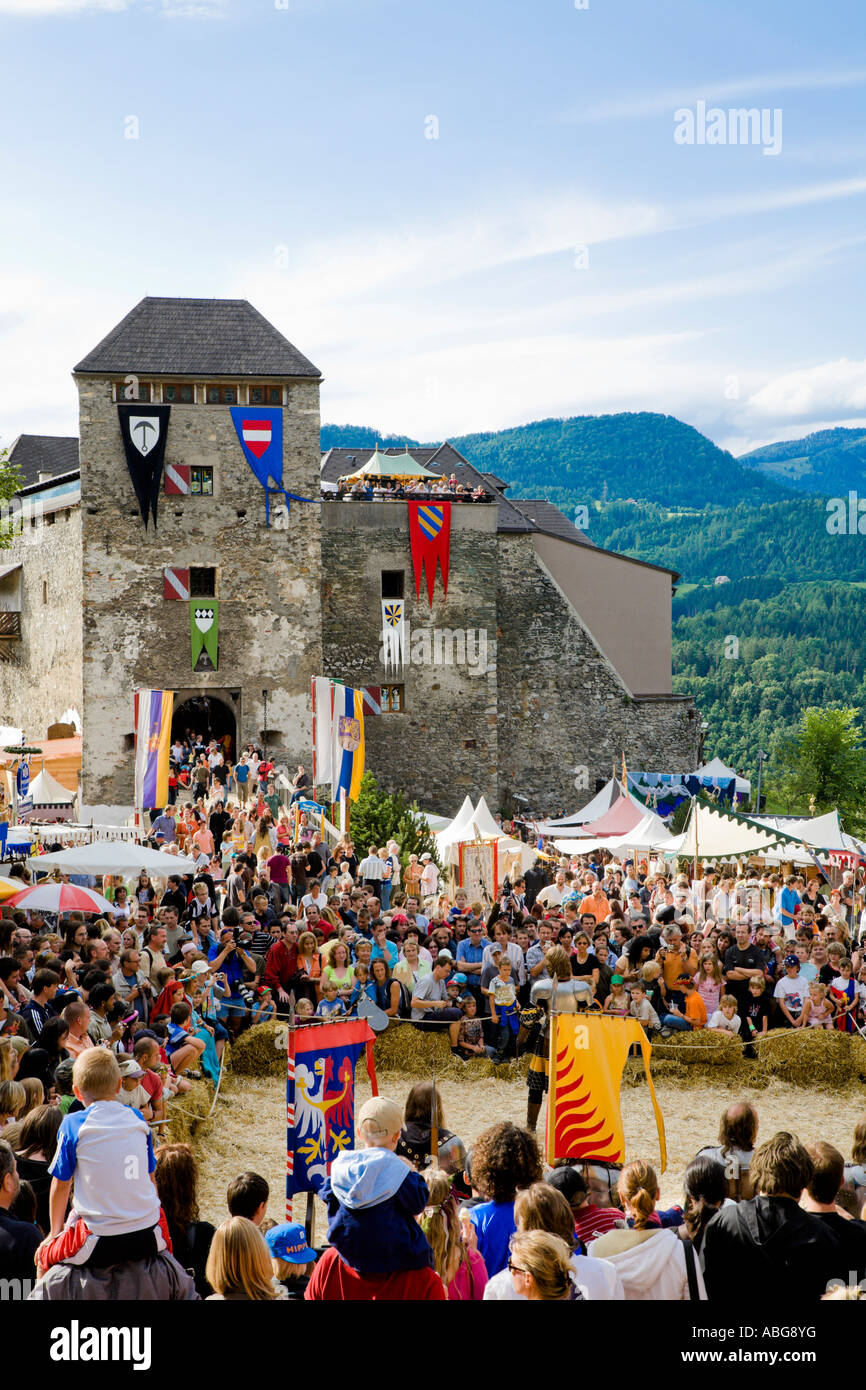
(201, 358)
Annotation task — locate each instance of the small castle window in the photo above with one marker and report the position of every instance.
(202, 583)
(392, 583)
(121, 389)
(178, 393)
(45, 591)
(221, 395)
(393, 699)
(265, 395)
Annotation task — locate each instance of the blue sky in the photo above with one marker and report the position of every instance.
(553, 252)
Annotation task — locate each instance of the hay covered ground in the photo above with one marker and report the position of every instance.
(248, 1128)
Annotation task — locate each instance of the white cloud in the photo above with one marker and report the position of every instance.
(33, 9)
(761, 87)
(170, 9)
(829, 391)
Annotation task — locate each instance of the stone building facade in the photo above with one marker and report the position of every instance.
(508, 687)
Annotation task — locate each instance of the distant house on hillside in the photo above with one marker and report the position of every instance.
(721, 579)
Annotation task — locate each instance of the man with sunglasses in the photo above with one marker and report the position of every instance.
(470, 957)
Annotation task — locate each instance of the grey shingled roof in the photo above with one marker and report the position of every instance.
(44, 453)
(197, 337)
(551, 520)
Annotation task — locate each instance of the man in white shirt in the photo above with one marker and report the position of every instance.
(315, 899)
(552, 895)
(371, 871)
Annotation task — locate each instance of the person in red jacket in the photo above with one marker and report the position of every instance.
(281, 969)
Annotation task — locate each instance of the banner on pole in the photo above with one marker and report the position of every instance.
(587, 1055)
(153, 711)
(320, 1099)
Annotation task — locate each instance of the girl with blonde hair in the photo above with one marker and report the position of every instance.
(461, 1268)
(652, 1261)
(708, 981)
(540, 1267)
(239, 1264)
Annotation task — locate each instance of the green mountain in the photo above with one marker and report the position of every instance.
(593, 458)
(832, 462)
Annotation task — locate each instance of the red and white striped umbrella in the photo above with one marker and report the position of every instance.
(61, 897)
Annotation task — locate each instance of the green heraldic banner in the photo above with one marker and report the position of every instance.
(204, 628)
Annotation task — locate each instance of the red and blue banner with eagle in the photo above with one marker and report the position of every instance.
(430, 539)
(320, 1098)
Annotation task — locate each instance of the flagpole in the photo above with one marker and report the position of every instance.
(290, 1113)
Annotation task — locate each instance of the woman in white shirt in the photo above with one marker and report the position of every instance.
(650, 1260)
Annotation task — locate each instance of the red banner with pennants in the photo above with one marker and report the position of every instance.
(430, 539)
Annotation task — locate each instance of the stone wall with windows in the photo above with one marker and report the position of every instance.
(445, 743)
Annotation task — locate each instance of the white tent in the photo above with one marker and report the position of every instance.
(473, 824)
(716, 768)
(819, 832)
(650, 833)
(601, 802)
(455, 831)
(113, 857)
(712, 834)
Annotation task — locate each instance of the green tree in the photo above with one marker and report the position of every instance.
(377, 817)
(10, 482)
(826, 760)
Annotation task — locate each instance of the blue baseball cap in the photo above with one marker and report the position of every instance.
(457, 980)
(791, 961)
(288, 1242)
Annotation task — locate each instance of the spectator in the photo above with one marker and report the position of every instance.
(461, 1268)
(18, 1239)
(504, 1159)
(540, 1268)
(34, 1148)
(239, 1264)
(820, 1199)
(377, 1250)
(546, 1206)
(292, 1259)
(768, 1241)
(247, 1195)
(738, 1132)
(651, 1260)
(106, 1148)
(706, 1191)
(176, 1178)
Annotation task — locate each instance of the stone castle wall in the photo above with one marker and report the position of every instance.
(268, 583)
(40, 674)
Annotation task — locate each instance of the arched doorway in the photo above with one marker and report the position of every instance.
(208, 716)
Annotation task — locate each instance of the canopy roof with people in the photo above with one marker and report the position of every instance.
(380, 465)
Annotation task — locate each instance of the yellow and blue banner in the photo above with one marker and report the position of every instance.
(347, 733)
(153, 711)
(587, 1055)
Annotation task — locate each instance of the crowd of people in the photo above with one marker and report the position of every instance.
(103, 1021)
(383, 489)
(415, 1215)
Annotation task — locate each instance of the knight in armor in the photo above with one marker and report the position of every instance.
(569, 996)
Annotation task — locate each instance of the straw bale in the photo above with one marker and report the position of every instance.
(185, 1114)
(813, 1057)
(260, 1051)
(421, 1052)
(703, 1047)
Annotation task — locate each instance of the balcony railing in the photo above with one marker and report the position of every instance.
(10, 624)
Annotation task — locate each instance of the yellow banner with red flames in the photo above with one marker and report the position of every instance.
(587, 1055)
